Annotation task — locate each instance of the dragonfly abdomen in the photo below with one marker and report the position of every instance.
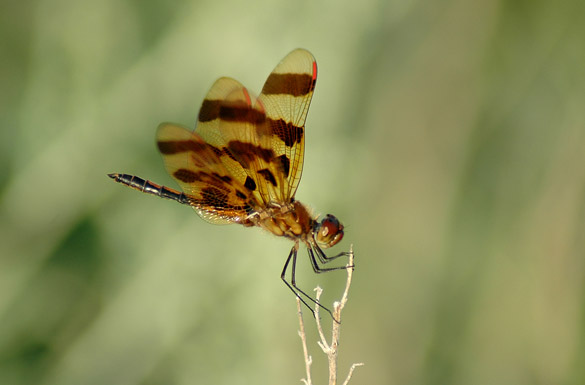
(149, 187)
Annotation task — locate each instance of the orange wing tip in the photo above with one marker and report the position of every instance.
(113, 175)
(247, 96)
(314, 70)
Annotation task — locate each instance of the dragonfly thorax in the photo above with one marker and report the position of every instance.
(292, 220)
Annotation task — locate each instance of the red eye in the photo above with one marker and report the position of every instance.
(329, 231)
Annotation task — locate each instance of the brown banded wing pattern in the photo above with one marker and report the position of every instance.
(244, 160)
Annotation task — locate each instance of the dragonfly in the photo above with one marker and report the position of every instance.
(243, 163)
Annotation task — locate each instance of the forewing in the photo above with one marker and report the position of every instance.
(245, 152)
(215, 194)
(286, 97)
(233, 120)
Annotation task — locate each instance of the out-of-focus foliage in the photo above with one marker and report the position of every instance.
(448, 136)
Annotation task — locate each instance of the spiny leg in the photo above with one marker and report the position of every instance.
(293, 285)
(293, 288)
(323, 259)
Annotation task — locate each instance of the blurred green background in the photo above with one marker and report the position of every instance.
(448, 136)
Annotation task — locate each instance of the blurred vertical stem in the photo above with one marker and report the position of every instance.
(331, 349)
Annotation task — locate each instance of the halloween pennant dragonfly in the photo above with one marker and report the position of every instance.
(243, 162)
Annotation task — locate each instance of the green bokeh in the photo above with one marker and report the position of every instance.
(448, 136)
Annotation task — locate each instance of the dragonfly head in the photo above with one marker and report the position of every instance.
(328, 232)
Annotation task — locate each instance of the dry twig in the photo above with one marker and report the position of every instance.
(331, 349)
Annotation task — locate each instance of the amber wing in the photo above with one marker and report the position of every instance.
(213, 191)
(286, 96)
(246, 152)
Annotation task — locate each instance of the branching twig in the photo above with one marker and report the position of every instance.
(331, 348)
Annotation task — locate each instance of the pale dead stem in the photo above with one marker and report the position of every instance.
(331, 348)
